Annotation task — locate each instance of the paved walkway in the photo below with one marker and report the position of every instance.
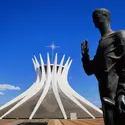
(98, 121)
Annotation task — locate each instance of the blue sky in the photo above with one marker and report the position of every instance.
(28, 26)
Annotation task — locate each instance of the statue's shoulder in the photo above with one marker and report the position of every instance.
(120, 33)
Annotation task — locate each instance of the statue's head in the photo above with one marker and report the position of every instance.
(101, 16)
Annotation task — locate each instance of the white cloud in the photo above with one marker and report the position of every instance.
(8, 87)
(1, 93)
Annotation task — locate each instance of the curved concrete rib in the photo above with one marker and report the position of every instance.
(46, 88)
(55, 90)
(21, 96)
(68, 93)
(75, 94)
(58, 78)
(35, 88)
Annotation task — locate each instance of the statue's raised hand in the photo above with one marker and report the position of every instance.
(84, 47)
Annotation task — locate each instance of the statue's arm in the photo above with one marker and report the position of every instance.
(88, 64)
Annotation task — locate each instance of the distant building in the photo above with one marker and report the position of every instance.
(50, 96)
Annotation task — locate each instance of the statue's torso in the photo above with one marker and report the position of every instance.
(108, 52)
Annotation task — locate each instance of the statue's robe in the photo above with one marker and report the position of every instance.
(108, 65)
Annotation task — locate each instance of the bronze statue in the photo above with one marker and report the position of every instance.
(108, 66)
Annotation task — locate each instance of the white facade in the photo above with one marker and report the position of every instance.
(50, 96)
